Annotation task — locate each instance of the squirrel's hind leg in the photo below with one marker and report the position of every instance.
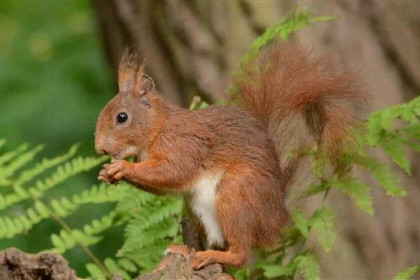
(236, 220)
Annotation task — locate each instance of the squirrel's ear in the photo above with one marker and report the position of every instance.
(144, 84)
(131, 66)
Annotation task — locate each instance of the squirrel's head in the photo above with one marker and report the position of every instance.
(124, 124)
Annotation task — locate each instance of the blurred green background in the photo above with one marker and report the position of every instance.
(54, 80)
(53, 76)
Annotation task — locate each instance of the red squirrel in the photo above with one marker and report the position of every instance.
(228, 161)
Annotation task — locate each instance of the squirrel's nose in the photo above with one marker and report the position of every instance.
(100, 149)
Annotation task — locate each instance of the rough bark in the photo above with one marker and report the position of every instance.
(15, 264)
(193, 45)
(175, 266)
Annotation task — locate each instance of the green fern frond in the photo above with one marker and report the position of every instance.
(115, 268)
(308, 266)
(156, 211)
(385, 176)
(157, 232)
(95, 272)
(100, 193)
(321, 221)
(11, 226)
(153, 225)
(301, 222)
(358, 191)
(44, 165)
(148, 257)
(66, 240)
(99, 225)
(381, 133)
(111, 265)
(274, 271)
(20, 160)
(393, 147)
(6, 157)
(127, 265)
(133, 200)
(62, 173)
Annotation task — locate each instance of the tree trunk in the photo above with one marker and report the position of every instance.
(193, 45)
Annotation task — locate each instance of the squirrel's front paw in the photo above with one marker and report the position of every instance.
(104, 177)
(117, 169)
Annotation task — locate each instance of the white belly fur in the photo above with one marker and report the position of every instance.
(203, 196)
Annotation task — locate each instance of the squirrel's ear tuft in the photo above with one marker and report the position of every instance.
(131, 66)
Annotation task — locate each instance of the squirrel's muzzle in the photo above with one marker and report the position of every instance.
(100, 146)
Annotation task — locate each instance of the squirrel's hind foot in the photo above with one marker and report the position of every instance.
(205, 258)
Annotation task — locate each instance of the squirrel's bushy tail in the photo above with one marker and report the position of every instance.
(301, 100)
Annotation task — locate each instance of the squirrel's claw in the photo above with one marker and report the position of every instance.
(104, 177)
(200, 260)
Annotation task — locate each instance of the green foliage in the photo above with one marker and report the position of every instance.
(305, 263)
(151, 222)
(392, 139)
(308, 266)
(322, 221)
(68, 239)
(154, 223)
(358, 191)
(407, 273)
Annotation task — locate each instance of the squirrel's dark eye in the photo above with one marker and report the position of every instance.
(122, 117)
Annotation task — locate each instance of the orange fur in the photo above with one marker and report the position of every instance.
(292, 97)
